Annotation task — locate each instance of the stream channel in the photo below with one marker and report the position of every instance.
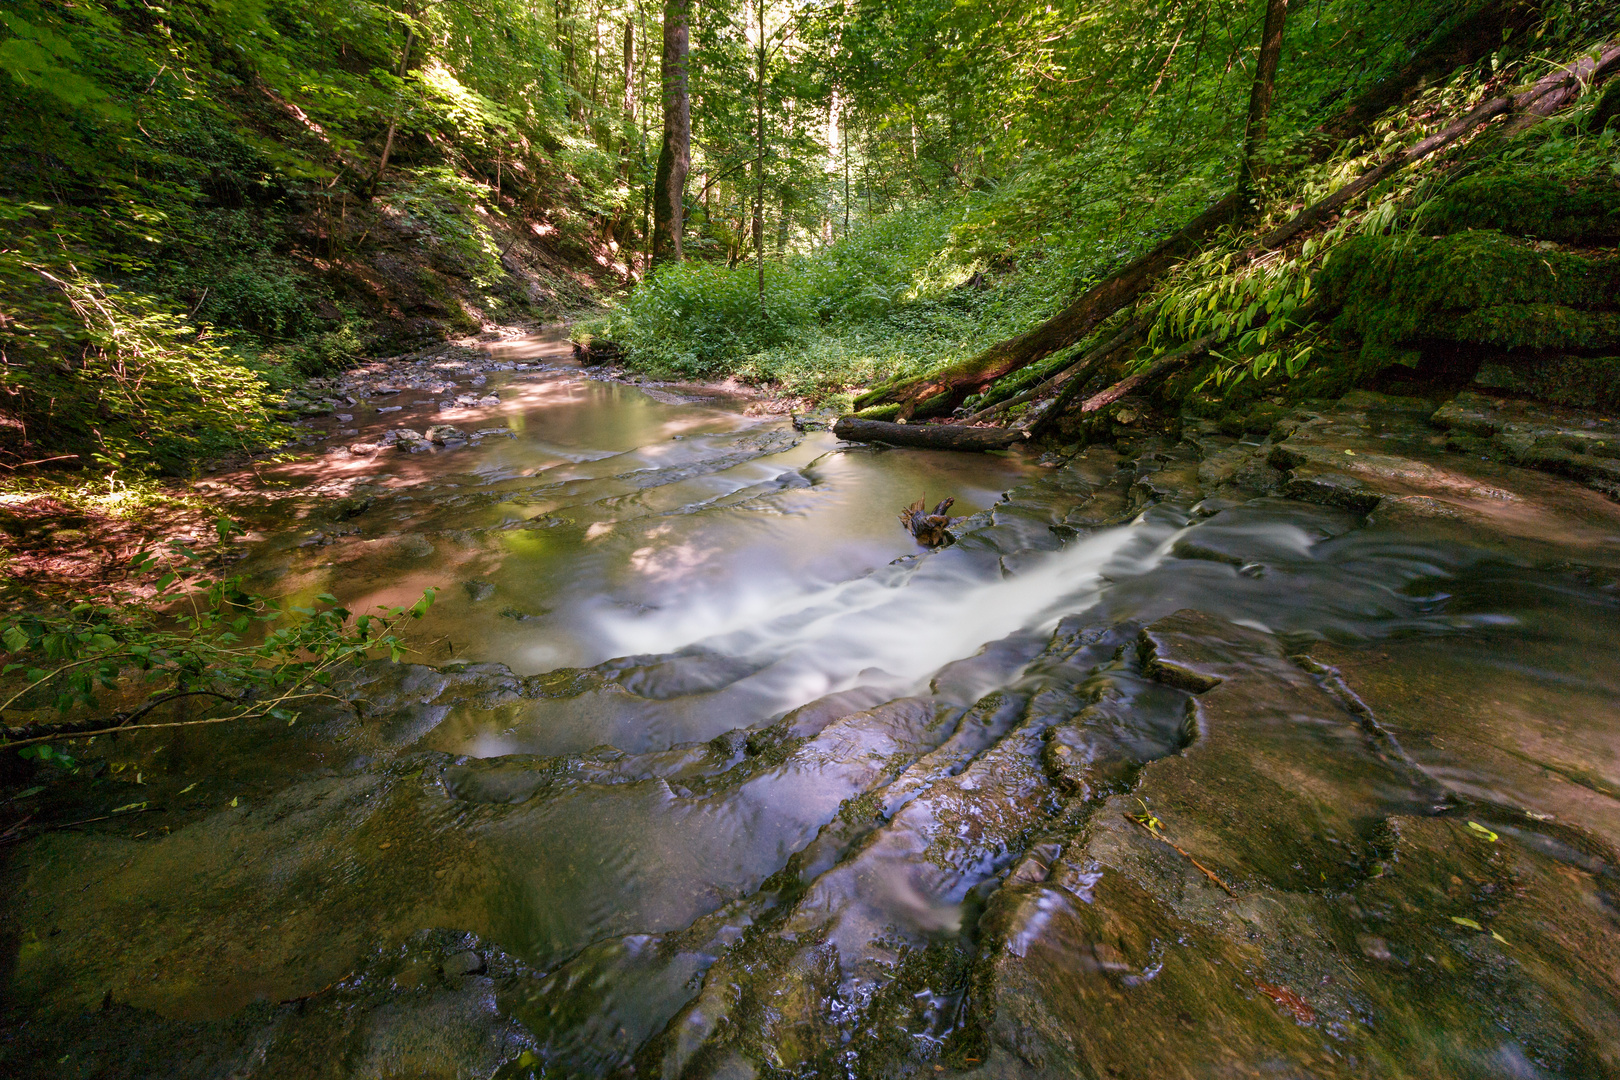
(703, 768)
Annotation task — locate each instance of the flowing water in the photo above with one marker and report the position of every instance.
(697, 714)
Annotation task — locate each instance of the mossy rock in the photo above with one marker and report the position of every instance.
(1521, 205)
(1539, 326)
(1478, 286)
(1574, 381)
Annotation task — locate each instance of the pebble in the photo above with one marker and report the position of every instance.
(391, 408)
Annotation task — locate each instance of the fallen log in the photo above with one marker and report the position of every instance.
(941, 391)
(1155, 371)
(1080, 367)
(1050, 414)
(1546, 97)
(927, 436)
(1470, 38)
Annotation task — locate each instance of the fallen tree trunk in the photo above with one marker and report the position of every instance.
(1149, 375)
(1543, 99)
(927, 436)
(1049, 416)
(1079, 368)
(1070, 371)
(1471, 38)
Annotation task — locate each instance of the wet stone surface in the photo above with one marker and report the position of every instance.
(1275, 752)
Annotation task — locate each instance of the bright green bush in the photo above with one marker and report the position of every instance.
(880, 301)
(117, 372)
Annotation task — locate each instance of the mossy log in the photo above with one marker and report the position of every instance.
(1079, 369)
(927, 436)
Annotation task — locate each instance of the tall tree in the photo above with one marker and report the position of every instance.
(627, 131)
(759, 149)
(1265, 81)
(675, 157)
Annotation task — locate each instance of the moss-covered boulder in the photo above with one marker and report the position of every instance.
(1482, 287)
(1527, 205)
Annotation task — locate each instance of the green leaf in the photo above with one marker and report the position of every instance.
(1482, 831)
(1470, 923)
(15, 638)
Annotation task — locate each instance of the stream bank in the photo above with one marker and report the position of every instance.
(1285, 752)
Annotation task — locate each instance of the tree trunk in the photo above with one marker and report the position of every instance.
(621, 226)
(940, 391)
(563, 23)
(759, 160)
(675, 157)
(927, 436)
(1072, 377)
(1260, 93)
(393, 121)
(1149, 375)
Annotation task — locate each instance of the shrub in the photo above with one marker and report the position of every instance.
(89, 364)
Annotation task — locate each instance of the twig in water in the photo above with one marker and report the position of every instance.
(1183, 853)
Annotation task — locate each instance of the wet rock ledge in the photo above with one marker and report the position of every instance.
(1174, 842)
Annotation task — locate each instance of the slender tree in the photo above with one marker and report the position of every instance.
(1260, 92)
(759, 149)
(675, 157)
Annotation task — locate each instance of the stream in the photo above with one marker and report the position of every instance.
(704, 768)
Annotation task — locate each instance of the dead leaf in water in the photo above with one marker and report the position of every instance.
(1287, 999)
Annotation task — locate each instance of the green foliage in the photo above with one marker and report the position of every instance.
(263, 300)
(830, 318)
(116, 371)
(699, 320)
(208, 640)
(438, 205)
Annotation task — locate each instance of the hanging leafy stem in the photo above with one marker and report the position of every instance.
(242, 654)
